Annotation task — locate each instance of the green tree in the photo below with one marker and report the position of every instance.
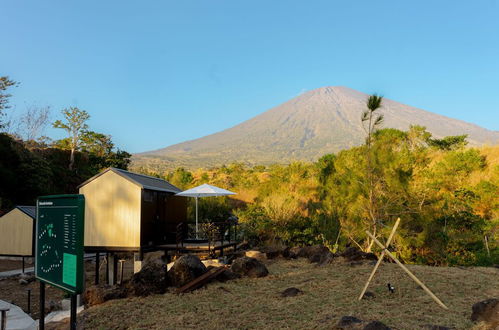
(75, 125)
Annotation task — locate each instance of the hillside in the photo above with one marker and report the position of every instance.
(317, 122)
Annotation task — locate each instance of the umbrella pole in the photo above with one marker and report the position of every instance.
(196, 217)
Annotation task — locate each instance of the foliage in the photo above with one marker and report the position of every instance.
(446, 198)
(75, 124)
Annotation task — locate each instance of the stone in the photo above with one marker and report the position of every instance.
(322, 258)
(273, 253)
(309, 251)
(291, 292)
(348, 322)
(435, 327)
(227, 275)
(250, 267)
(369, 295)
(376, 325)
(22, 281)
(354, 254)
(98, 294)
(256, 254)
(185, 269)
(28, 277)
(55, 305)
(151, 279)
(291, 253)
(486, 311)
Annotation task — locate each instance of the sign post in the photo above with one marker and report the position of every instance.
(59, 246)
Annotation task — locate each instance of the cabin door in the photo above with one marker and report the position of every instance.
(160, 219)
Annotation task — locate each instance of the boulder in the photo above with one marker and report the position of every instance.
(354, 254)
(250, 267)
(255, 254)
(99, 294)
(486, 311)
(376, 325)
(322, 258)
(152, 279)
(309, 251)
(291, 253)
(186, 269)
(348, 322)
(291, 292)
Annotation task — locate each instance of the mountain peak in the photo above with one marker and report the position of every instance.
(316, 122)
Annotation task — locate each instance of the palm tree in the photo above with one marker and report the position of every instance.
(371, 121)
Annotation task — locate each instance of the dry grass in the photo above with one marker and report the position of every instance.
(329, 293)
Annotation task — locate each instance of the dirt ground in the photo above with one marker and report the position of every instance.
(330, 292)
(14, 292)
(6, 264)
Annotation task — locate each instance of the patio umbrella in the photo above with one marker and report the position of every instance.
(204, 190)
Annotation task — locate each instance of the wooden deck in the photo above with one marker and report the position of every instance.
(198, 247)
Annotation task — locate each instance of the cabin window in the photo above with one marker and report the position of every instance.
(148, 196)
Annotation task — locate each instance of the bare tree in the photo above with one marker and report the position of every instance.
(75, 125)
(33, 122)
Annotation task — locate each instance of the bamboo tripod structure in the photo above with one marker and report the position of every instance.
(411, 275)
(380, 259)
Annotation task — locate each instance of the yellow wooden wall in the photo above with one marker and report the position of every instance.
(16, 233)
(112, 211)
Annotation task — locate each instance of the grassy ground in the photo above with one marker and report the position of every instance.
(329, 293)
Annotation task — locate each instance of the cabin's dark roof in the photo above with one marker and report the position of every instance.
(29, 210)
(144, 181)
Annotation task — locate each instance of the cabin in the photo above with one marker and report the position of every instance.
(17, 232)
(126, 211)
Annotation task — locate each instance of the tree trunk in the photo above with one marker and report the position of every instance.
(72, 159)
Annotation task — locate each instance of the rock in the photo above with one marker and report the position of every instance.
(186, 268)
(227, 275)
(486, 311)
(55, 305)
(348, 322)
(101, 293)
(154, 257)
(272, 252)
(322, 258)
(28, 277)
(291, 253)
(435, 327)
(212, 263)
(255, 254)
(22, 281)
(243, 245)
(309, 251)
(250, 267)
(152, 279)
(354, 254)
(369, 295)
(291, 292)
(376, 325)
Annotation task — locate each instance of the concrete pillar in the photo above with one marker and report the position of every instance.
(137, 262)
(113, 268)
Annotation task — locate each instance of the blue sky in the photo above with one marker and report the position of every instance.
(155, 73)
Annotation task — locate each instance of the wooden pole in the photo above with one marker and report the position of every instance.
(421, 284)
(380, 258)
(487, 245)
(41, 322)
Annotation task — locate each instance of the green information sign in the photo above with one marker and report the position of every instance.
(59, 241)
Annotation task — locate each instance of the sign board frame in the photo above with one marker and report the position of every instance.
(60, 226)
